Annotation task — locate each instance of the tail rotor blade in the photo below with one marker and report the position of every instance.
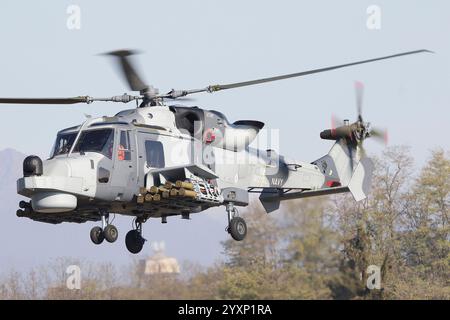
(350, 151)
(335, 123)
(380, 135)
(362, 150)
(359, 90)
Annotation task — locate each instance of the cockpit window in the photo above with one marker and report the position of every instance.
(63, 144)
(100, 141)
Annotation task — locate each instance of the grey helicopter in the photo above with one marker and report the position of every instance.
(160, 159)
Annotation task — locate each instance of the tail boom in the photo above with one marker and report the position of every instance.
(344, 171)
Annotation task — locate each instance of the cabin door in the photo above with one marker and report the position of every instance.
(124, 166)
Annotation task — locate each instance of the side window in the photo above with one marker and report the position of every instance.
(123, 149)
(155, 154)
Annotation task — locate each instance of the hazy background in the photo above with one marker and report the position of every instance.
(190, 44)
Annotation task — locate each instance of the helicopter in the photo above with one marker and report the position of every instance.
(160, 159)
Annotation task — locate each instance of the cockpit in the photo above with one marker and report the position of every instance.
(90, 140)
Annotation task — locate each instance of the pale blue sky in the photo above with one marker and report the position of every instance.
(190, 44)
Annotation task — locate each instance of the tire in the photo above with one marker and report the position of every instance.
(110, 233)
(238, 228)
(134, 241)
(97, 236)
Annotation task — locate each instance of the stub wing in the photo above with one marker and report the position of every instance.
(179, 173)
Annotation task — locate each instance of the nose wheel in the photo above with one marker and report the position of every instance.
(107, 232)
(134, 240)
(237, 227)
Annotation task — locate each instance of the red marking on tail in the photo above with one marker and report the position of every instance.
(332, 183)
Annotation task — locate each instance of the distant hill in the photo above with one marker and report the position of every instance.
(10, 170)
(10, 166)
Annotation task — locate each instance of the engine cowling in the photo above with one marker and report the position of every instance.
(213, 128)
(239, 135)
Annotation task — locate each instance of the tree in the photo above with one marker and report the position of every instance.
(287, 254)
(316, 248)
(260, 245)
(369, 229)
(426, 243)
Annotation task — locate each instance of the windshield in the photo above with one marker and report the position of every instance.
(100, 141)
(63, 144)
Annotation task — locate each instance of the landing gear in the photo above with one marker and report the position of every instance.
(107, 231)
(237, 227)
(97, 235)
(110, 233)
(134, 240)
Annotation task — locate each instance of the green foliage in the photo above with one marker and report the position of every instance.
(402, 227)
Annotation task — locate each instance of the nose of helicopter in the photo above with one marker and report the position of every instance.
(49, 184)
(57, 168)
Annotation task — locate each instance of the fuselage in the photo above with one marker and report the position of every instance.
(105, 161)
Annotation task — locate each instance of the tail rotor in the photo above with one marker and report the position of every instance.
(355, 133)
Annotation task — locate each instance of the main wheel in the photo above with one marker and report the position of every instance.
(97, 235)
(134, 241)
(237, 228)
(110, 233)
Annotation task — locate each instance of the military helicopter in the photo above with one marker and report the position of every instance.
(160, 160)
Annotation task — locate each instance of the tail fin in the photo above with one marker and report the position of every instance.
(339, 163)
(344, 165)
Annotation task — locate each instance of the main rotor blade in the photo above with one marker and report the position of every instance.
(125, 98)
(218, 87)
(129, 72)
(73, 100)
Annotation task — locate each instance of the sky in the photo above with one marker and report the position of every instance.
(192, 44)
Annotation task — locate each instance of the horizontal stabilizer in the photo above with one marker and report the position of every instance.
(270, 200)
